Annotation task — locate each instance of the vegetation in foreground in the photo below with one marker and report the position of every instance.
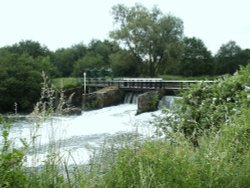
(217, 120)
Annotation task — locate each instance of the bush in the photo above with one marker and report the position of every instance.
(208, 105)
(11, 160)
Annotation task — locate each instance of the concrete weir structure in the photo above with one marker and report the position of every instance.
(99, 93)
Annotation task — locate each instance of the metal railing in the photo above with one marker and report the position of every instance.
(143, 84)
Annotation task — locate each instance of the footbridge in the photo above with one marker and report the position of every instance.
(141, 84)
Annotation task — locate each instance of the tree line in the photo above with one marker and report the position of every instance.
(144, 43)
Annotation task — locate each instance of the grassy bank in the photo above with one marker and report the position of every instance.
(66, 83)
(176, 77)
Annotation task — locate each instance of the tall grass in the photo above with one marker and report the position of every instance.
(222, 160)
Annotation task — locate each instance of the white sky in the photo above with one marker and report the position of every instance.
(63, 23)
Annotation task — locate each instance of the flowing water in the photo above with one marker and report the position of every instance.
(79, 136)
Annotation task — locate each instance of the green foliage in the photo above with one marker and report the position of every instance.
(153, 100)
(11, 160)
(66, 83)
(21, 66)
(124, 64)
(104, 49)
(151, 37)
(75, 60)
(64, 59)
(20, 80)
(196, 59)
(207, 106)
(230, 57)
(32, 48)
(90, 61)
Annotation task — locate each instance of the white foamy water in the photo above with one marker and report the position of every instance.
(78, 137)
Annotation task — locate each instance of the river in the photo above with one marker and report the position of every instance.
(78, 137)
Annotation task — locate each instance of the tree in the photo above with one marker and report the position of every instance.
(152, 38)
(244, 57)
(65, 58)
(104, 49)
(40, 54)
(227, 58)
(32, 48)
(196, 59)
(122, 64)
(20, 81)
(91, 60)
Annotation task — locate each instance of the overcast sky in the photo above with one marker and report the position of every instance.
(63, 23)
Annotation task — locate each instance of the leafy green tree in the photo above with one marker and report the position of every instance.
(65, 58)
(91, 60)
(122, 64)
(96, 61)
(44, 64)
(228, 58)
(104, 49)
(196, 59)
(40, 54)
(244, 57)
(32, 48)
(152, 38)
(20, 81)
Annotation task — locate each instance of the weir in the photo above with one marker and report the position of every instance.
(145, 92)
(130, 98)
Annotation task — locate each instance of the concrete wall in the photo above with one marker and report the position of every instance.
(108, 96)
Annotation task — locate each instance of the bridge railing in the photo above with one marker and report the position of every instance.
(143, 83)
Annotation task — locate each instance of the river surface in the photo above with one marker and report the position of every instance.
(78, 137)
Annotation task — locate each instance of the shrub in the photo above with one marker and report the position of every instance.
(208, 105)
(11, 160)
